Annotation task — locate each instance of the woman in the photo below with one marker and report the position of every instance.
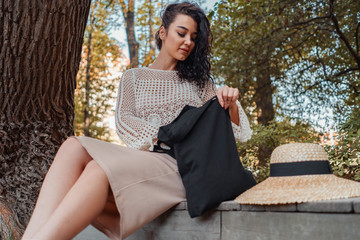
(120, 189)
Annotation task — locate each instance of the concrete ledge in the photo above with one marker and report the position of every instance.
(285, 225)
(356, 205)
(331, 206)
(335, 219)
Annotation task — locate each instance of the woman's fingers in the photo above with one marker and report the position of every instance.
(227, 96)
(235, 95)
(220, 97)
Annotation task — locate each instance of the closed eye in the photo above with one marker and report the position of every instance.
(183, 35)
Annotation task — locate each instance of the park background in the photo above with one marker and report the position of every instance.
(291, 60)
(296, 64)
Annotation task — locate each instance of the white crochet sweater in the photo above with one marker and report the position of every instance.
(150, 98)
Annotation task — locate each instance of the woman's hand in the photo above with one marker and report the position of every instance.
(227, 96)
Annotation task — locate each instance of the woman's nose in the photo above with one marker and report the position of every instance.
(187, 40)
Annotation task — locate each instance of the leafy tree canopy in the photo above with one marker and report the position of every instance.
(310, 49)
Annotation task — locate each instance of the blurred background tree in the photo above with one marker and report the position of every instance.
(296, 64)
(102, 61)
(148, 22)
(345, 156)
(128, 10)
(293, 61)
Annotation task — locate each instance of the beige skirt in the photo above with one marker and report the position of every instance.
(144, 185)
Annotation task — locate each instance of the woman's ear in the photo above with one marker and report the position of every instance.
(162, 33)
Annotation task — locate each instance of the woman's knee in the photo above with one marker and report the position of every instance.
(95, 169)
(70, 143)
(73, 150)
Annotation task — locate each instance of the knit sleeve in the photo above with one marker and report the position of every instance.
(132, 130)
(242, 132)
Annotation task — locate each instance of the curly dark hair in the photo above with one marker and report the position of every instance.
(196, 67)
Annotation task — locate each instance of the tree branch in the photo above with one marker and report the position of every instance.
(341, 34)
(322, 64)
(357, 38)
(298, 24)
(345, 71)
(310, 20)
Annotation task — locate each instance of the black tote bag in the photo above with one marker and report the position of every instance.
(202, 141)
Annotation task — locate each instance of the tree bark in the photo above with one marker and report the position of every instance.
(40, 50)
(88, 75)
(263, 99)
(341, 35)
(128, 13)
(8, 227)
(151, 35)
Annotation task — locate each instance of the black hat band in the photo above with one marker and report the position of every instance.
(300, 168)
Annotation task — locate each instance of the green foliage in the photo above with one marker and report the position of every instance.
(310, 51)
(345, 155)
(245, 44)
(309, 48)
(327, 70)
(148, 22)
(101, 60)
(273, 135)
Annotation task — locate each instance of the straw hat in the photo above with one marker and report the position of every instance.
(299, 172)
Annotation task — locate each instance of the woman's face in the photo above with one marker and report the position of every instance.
(179, 40)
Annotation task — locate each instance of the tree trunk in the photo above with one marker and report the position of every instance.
(8, 227)
(151, 35)
(263, 98)
(129, 15)
(88, 75)
(40, 50)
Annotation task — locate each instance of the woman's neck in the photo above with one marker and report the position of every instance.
(164, 62)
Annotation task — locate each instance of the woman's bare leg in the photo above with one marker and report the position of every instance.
(65, 170)
(83, 203)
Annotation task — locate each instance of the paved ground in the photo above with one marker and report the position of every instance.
(90, 233)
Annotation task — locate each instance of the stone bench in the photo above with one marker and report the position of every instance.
(335, 219)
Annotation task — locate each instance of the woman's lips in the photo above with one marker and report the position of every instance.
(184, 50)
